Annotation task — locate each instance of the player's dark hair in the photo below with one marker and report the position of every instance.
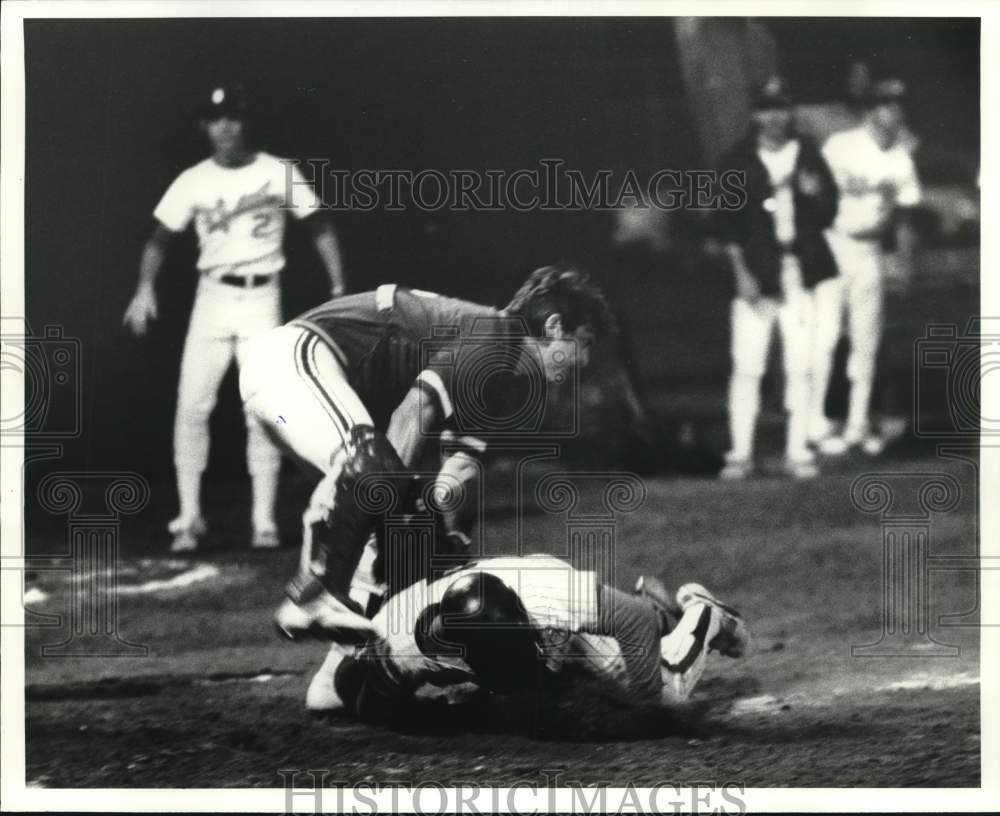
(565, 290)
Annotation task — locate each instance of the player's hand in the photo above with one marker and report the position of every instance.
(809, 183)
(140, 311)
(747, 287)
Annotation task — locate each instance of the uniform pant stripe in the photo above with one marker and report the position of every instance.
(342, 413)
(302, 367)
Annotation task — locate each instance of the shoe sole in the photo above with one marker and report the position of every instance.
(346, 627)
(730, 626)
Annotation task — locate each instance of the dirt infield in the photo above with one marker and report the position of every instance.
(218, 699)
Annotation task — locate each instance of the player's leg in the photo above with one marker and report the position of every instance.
(260, 312)
(752, 326)
(208, 352)
(865, 326)
(636, 625)
(828, 309)
(294, 386)
(691, 627)
(796, 320)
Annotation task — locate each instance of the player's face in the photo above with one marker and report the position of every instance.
(773, 123)
(888, 116)
(226, 134)
(563, 351)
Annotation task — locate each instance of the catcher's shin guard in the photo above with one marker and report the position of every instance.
(370, 482)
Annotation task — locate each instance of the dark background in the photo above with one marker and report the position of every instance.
(111, 122)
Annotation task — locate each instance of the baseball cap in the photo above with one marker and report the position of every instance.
(224, 99)
(772, 94)
(886, 90)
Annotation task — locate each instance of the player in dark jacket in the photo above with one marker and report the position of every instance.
(778, 253)
(357, 386)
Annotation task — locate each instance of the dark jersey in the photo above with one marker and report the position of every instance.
(393, 338)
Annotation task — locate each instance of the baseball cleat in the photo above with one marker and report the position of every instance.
(319, 614)
(873, 445)
(732, 637)
(266, 540)
(800, 468)
(835, 445)
(187, 533)
(683, 652)
(321, 696)
(736, 469)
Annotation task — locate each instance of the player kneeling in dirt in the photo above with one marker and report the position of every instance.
(504, 623)
(356, 387)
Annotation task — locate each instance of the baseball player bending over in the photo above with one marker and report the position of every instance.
(779, 257)
(503, 623)
(877, 179)
(238, 199)
(357, 386)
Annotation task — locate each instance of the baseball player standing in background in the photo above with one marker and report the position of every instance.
(874, 170)
(778, 254)
(237, 199)
(506, 623)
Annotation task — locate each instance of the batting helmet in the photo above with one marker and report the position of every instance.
(486, 618)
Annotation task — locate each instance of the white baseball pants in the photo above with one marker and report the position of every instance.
(223, 321)
(752, 332)
(294, 387)
(857, 290)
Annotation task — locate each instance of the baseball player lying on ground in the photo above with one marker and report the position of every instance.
(505, 624)
(356, 387)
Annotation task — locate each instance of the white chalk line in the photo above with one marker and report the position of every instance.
(197, 574)
(770, 704)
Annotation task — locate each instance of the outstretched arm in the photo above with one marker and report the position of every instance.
(142, 307)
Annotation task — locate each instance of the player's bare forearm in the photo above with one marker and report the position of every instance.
(411, 423)
(328, 247)
(142, 307)
(463, 469)
(153, 254)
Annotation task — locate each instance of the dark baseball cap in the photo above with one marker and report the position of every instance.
(885, 91)
(772, 94)
(224, 99)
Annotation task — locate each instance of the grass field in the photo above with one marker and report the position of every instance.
(218, 699)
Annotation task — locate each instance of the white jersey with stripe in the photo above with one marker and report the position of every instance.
(561, 602)
(238, 212)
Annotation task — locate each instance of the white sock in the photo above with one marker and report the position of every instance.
(857, 413)
(797, 405)
(744, 405)
(189, 493)
(265, 494)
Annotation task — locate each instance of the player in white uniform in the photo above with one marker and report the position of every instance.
(778, 255)
(505, 623)
(877, 179)
(238, 200)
